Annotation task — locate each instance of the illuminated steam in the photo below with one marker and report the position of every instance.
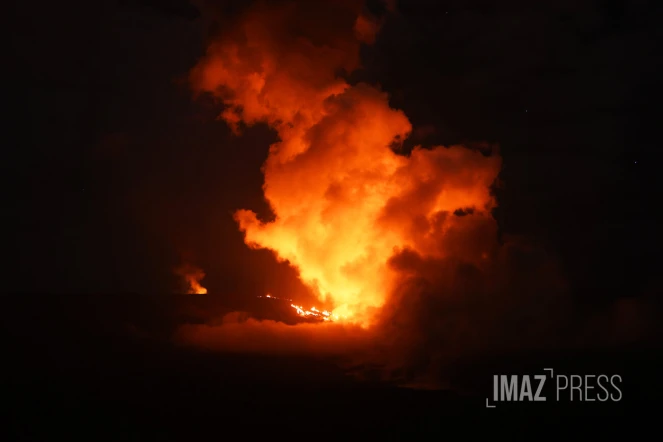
(344, 202)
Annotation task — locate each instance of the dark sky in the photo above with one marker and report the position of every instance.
(117, 174)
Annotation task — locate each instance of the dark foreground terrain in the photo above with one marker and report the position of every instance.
(78, 370)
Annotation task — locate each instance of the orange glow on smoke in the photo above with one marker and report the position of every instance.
(196, 288)
(192, 277)
(344, 201)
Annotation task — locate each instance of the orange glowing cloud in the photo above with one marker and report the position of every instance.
(344, 202)
(191, 277)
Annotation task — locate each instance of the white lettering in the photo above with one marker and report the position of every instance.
(576, 387)
(496, 384)
(526, 389)
(612, 381)
(588, 387)
(566, 385)
(542, 379)
(607, 394)
(509, 387)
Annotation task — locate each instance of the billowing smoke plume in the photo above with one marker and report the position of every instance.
(344, 201)
(404, 246)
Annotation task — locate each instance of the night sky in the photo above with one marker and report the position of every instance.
(118, 174)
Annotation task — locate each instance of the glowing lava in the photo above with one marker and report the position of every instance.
(323, 315)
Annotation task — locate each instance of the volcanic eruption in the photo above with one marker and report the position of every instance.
(368, 225)
(344, 201)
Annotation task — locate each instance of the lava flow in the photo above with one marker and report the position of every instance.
(322, 315)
